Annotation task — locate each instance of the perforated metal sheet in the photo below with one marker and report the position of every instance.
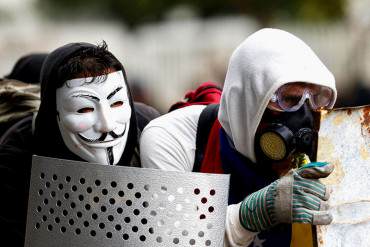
(83, 204)
(344, 140)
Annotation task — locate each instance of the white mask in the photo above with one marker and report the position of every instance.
(94, 118)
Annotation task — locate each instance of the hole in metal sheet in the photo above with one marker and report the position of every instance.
(96, 199)
(192, 241)
(112, 201)
(185, 233)
(118, 227)
(125, 236)
(196, 191)
(202, 216)
(130, 186)
(94, 216)
(201, 234)
(145, 204)
(127, 219)
(89, 190)
(97, 182)
(103, 208)
(211, 209)
(71, 222)
(44, 218)
(65, 212)
(142, 238)
(151, 230)
(121, 193)
(41, 192)
(81, 197)
(110, 217)
(79, 214)
(82, 181)
(101, 225)
(153, 213)
(78, 231)
(135, 229)
(128, 202)
(119, 210)
(47, 184)
(60, 186)
(59, 203)
(50, 227)
(146, 187)
(208, 242)
(53, 194)
(39, 209)
(66, 195)
(136, 212)
(144, 221)
(87, 207)
(57, 220)
(113, 184)
(163, 189)
(68, 179)
(109, 235)
(63, 229)
(176, 240)
(51, 210)
(42, 175)
(55, 177)
(137, 195)
(159, 239)
(104, 191)
(46, 201)
(37, 226)
(93, 233)
(212, 192)
(74, 188)
(204, 200)
(86, 223)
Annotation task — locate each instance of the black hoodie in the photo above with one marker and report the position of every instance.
(20, 144)
(47, 135)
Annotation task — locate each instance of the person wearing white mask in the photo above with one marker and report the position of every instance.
(267, 119)
(86, 114)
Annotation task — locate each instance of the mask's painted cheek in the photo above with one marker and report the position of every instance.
(123, 115)
(78, 123)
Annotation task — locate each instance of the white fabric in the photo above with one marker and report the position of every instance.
(89, 111)
(168, 143)
(265, 61)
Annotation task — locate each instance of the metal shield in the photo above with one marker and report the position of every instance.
(344, 140)
(86, 205)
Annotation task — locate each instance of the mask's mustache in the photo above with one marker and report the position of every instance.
(103, 136)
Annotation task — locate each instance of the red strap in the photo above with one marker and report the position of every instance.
(212, 159)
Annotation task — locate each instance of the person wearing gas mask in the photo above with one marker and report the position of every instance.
(263, 134)
(86, 113)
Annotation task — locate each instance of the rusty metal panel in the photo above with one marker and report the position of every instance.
(344, 140)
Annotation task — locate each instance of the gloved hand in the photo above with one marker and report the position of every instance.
(296, 197)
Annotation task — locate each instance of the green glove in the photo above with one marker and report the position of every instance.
(296, 197)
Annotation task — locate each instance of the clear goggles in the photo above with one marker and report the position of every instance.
(291, 96)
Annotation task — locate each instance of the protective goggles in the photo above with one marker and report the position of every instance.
(290, 97)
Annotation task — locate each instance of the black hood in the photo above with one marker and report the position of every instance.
(47, 136)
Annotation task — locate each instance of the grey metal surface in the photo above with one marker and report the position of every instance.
(344, 140)
(82, 204)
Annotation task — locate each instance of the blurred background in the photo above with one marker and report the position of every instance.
(171, 46)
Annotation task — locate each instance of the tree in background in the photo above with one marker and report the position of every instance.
(135, 12)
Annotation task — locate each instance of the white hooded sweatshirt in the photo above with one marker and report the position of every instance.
(265, 61)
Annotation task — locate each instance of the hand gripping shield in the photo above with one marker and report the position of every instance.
(82, 204)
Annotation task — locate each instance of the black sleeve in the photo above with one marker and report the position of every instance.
(15, 167)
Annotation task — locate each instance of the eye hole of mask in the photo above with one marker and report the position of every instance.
(85, 110)
(117, 104)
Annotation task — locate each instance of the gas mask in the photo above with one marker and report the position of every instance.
(281, 134)
(94, 117)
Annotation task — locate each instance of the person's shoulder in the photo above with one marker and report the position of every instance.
(144, 114)
(184, 116)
